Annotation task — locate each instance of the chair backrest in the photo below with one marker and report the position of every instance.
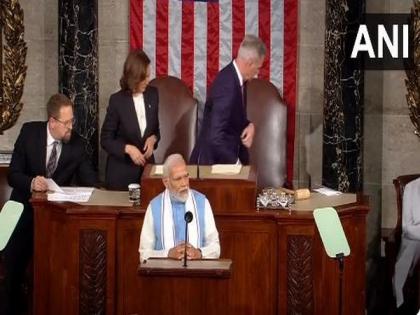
(399, 183)
(177, 118)
(268, 112)
(5, 189)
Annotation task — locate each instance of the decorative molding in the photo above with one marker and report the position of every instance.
(92, 274)
(13, 68)
(300, 298)
(413, 76)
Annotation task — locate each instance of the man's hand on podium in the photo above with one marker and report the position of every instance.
(177, 252)
(193, 253)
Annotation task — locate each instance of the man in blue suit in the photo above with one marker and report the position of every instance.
(226, 133)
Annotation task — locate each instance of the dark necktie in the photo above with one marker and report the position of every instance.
(52, 162)
(243, 87)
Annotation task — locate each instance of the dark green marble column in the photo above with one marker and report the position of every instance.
(78, 66)
(343, 99)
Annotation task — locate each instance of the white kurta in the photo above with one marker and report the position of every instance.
(211, 248)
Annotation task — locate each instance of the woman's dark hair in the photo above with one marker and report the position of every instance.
(135, 70)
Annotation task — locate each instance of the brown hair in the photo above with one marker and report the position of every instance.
(55, 103)
(135, 70)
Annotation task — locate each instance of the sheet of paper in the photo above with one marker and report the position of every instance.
(158, 170)
(226, 168)
(74, 194)
(52, 186)
(77, 190)
(67, 197)
(327, 191)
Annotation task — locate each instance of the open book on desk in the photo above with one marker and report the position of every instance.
(226, 169)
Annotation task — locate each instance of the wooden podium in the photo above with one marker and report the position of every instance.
(87, 262)
(173, 289)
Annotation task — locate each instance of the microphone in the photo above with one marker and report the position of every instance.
(188, 216)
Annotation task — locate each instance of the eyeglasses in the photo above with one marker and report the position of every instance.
(67, 123)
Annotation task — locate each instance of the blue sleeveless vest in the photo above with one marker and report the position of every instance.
(157, 204)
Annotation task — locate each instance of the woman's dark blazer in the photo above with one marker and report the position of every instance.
(121, 127)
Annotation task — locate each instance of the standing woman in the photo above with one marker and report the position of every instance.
(130, 131)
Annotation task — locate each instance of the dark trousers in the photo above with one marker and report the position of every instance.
(16, 257)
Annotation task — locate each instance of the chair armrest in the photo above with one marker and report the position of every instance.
(392, 239)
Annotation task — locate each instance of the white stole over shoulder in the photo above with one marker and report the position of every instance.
(167, 224)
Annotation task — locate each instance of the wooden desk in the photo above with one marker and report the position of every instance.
(227, 193)
(170, 288)
(86, 261)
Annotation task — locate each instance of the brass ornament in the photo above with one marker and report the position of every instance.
(413, 76)
(13, 57)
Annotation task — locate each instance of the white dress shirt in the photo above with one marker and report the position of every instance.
(241, 80)
(140, 111)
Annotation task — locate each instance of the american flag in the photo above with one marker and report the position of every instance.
(193, 40)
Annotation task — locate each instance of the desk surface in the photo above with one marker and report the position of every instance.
(216, 268)
(120, 199)
(317, 200)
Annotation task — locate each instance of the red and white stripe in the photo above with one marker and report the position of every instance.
(193, 40)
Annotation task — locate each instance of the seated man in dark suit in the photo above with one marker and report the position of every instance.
(42, 150)
(226, 133)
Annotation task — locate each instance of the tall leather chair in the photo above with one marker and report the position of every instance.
(392, 241)
(5, 189)
(268, 112)
(177, 118)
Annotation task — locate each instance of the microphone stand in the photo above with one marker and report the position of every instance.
(185, 245)
(340, 259)
(188, 216)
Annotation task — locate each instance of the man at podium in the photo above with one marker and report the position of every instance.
(163, 231)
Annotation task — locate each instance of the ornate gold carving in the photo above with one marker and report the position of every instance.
(13, 70)
(413, 76)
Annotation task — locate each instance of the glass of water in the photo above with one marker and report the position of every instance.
(134, 194)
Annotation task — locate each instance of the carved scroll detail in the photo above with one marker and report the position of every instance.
(92, 277)
(299, 275)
